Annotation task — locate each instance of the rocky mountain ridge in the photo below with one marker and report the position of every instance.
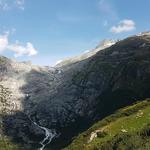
(87, 54)
(71, 97)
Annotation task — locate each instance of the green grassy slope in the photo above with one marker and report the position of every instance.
(128, 128)
(7, 144)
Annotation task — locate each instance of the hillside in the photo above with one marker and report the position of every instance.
(44, 106)
(127, 128)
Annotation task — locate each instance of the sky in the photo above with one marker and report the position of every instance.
(46, 31)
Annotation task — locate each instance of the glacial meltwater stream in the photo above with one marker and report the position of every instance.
(49, 135)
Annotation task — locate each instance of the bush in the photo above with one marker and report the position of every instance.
(101, 134)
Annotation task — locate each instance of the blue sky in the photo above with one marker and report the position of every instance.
(45, 31)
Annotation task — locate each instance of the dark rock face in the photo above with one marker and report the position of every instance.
(71, 97)
(22, 129)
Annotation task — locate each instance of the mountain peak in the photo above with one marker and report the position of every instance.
(144, 33)
(106, 43)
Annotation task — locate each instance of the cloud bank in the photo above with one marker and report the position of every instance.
(123, 26)
(17, 48)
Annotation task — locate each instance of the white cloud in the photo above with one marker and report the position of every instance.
(20, 50)
(108, 9)
(3, 42)
(3, 5)
(17, 48)
(123, 26)
(20, 4)
(11, 4)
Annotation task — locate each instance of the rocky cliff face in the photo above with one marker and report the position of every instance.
(73, 95)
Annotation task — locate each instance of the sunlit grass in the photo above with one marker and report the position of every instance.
(130, 120)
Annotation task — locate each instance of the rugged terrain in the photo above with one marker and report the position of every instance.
(70, 97)
(127, 128)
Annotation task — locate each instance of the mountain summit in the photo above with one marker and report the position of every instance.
(88, 53)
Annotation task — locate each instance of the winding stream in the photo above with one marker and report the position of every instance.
(49, 135)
